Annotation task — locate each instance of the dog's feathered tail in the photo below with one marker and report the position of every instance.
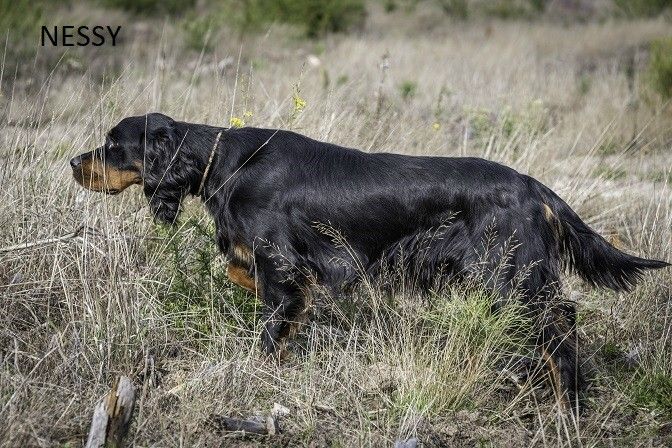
(589, 255)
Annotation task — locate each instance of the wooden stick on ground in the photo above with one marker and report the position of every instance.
(112, 416)
(43, 242)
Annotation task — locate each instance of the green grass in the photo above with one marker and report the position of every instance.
(661, 176)
(314, 17)
(503, 9)
(653, 390)
(610, 147)
(196, 282)
(585, 84)
(455, 8)
(610, 172)
(506, 125)
(460, 350)
(612, 352)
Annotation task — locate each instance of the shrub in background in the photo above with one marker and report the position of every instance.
(198, 32)
(20, 22)
(408, 89)
(642, 7)
(316, 17)
(660, 67)
(152, 7)
(505, 9)
(20, 15)
(455, 8)
(322, 16)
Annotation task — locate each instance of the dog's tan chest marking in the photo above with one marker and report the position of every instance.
(240, 263)
(239, 276)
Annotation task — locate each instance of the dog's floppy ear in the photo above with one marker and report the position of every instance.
(163, 182)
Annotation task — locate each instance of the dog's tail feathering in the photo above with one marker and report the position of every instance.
(589, 255)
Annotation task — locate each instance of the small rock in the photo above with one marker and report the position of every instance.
(575, 296)
(633, 357)
(279, 410)
(409, 443)
(16, 278)
(313, 60)
(272, 426)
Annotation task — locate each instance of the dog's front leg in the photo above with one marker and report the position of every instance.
(283, 303)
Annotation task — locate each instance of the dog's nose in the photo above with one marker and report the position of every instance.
(75, 162)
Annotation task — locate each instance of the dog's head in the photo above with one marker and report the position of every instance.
(138, 150)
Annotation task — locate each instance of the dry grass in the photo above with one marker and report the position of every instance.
(127, 297)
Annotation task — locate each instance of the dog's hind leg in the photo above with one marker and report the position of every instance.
(554, 324)
(532, 270)
(557, 342)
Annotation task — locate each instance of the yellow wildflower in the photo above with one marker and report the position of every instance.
(299, 103)
(237, 122)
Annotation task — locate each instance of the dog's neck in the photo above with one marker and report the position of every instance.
(206, 171)
(193, 140)
(213, 156)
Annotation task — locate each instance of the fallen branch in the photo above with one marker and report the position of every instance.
(254, 425)
(43, 242)
(325, 408)
(112, 416)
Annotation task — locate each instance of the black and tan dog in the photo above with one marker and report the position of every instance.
(268, 189)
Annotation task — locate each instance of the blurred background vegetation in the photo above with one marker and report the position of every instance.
(315, 18)
(201, 22)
